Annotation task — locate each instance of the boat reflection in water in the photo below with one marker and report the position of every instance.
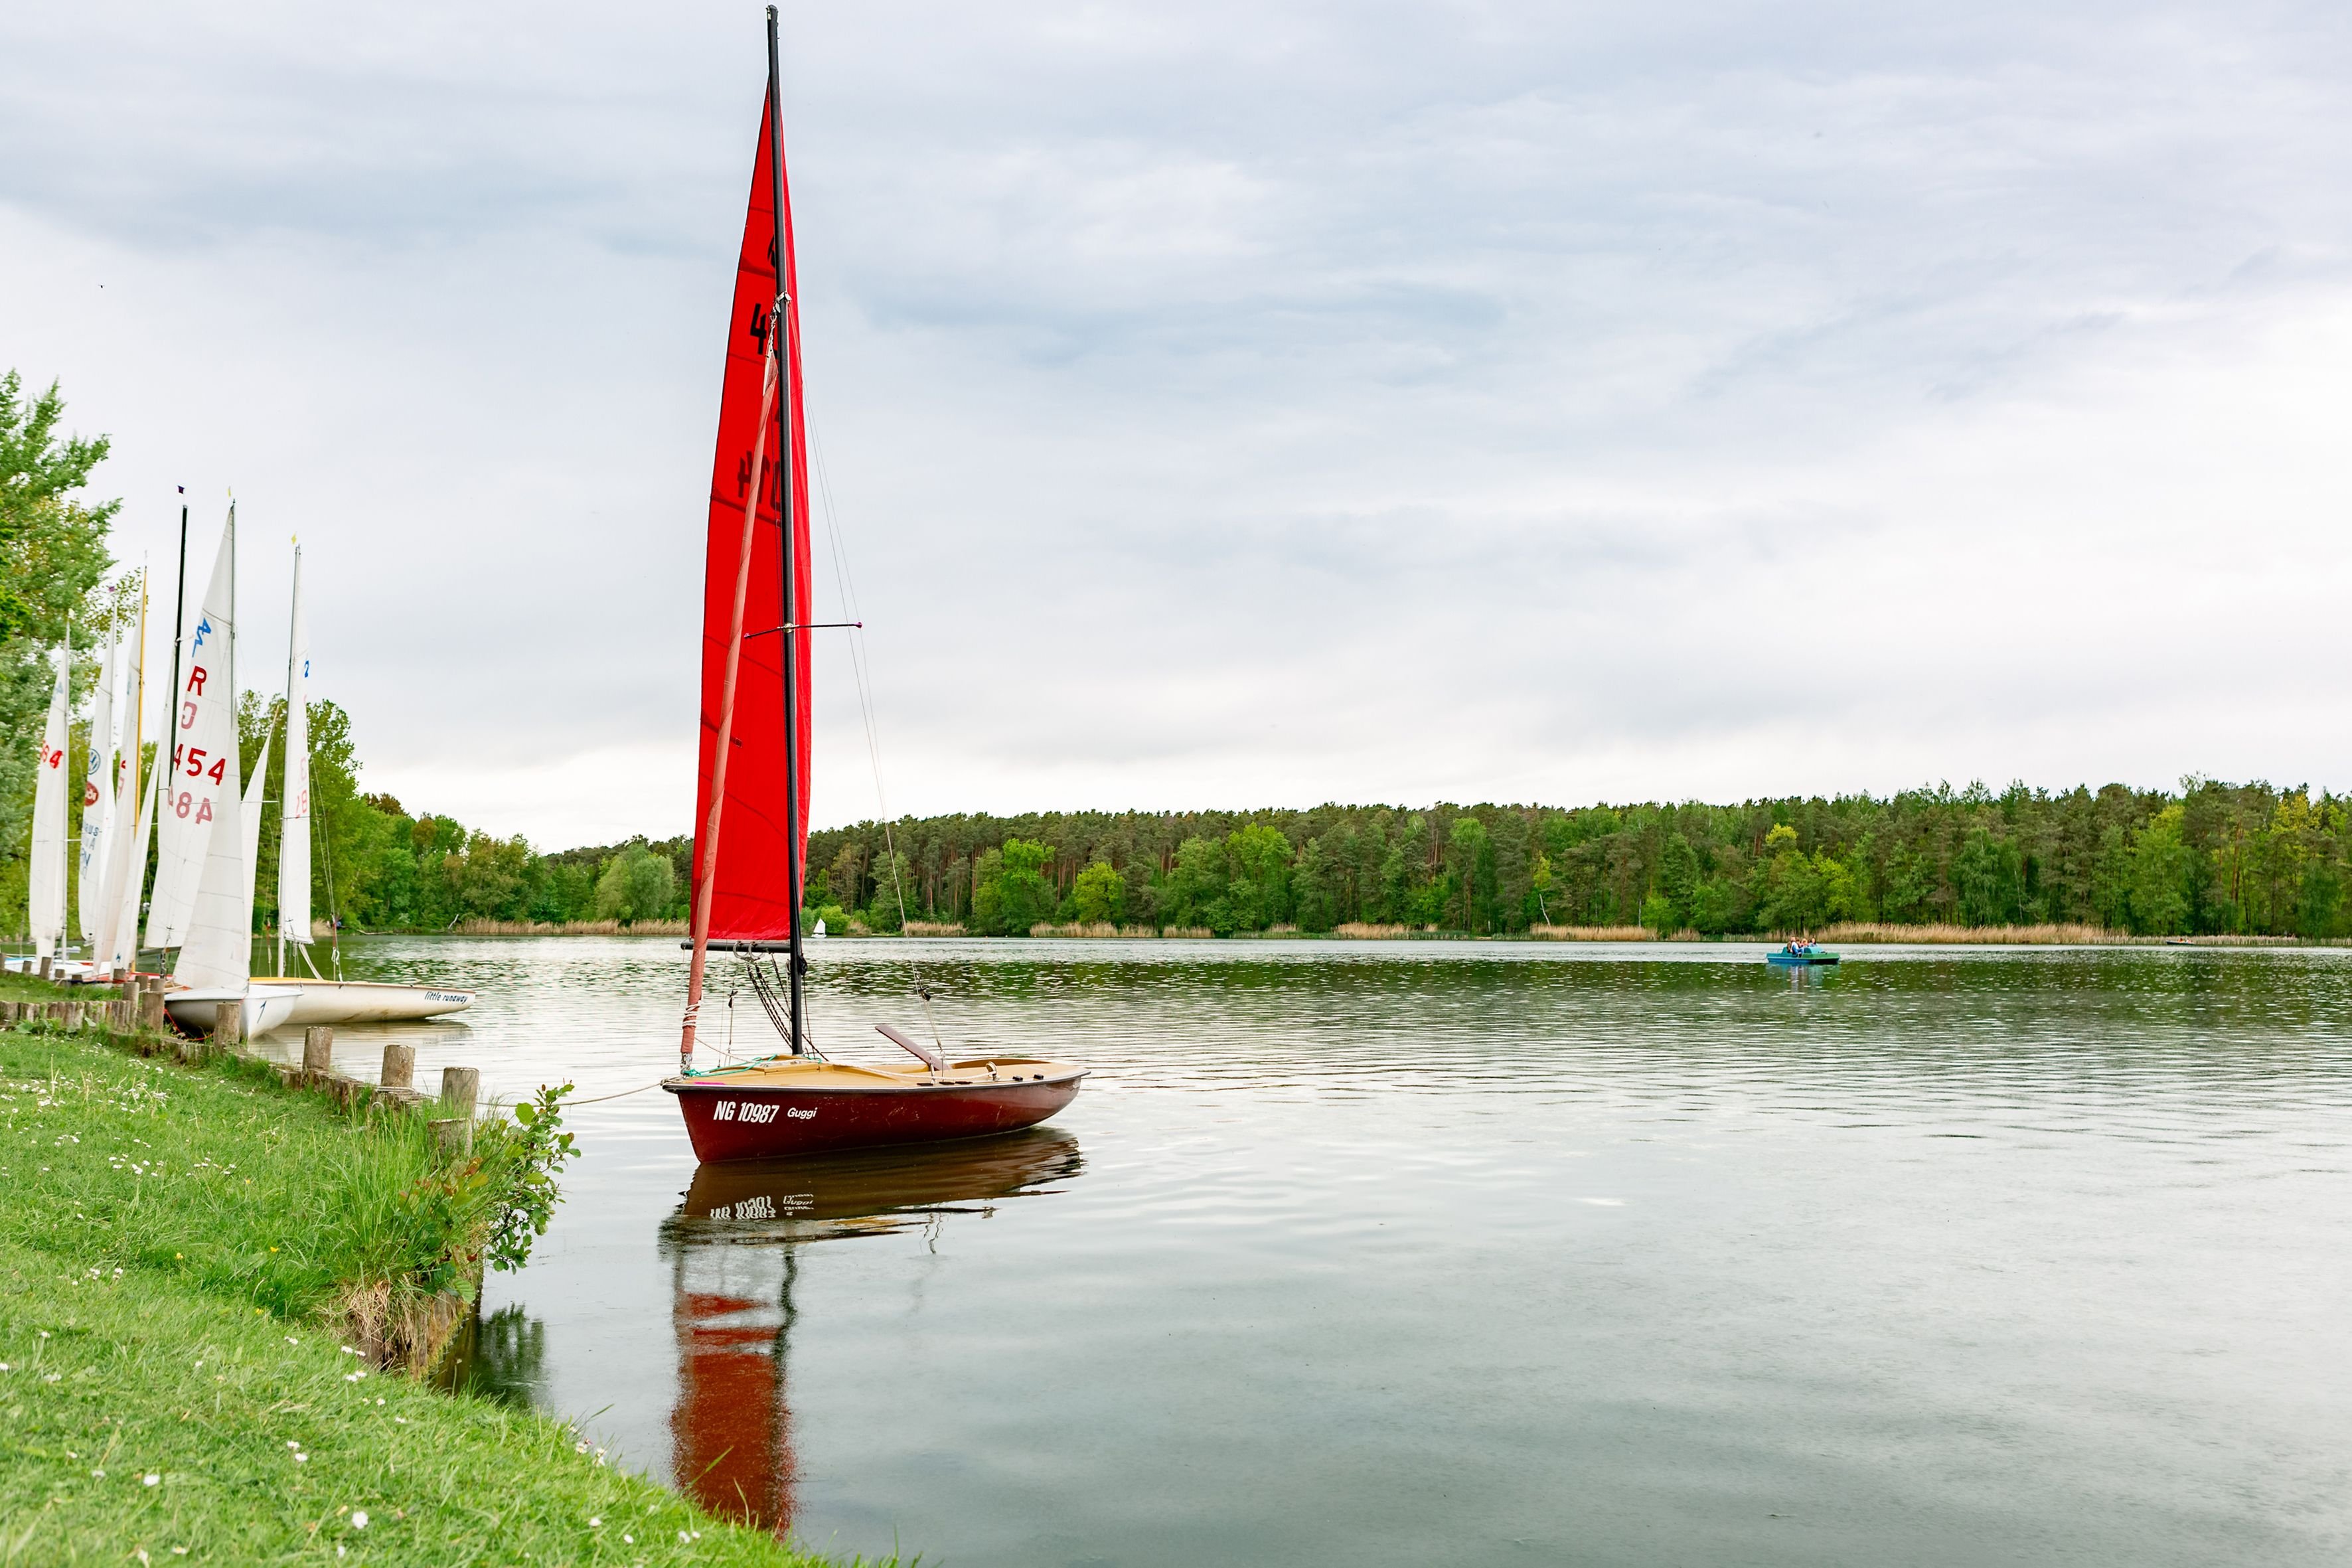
(734, 1256)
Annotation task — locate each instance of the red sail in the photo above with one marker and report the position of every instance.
(757, 845)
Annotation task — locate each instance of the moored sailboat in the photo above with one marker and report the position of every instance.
(202, 902)
(752, 799)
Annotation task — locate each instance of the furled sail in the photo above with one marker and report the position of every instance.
(294, 804)
(97, 803)
(757, 845)
(200, 775)
(45, 893)
(126, 846)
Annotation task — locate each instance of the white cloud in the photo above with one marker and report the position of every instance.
(1248, 405)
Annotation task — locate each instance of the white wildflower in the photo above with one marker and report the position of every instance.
(151, 1478)
(358, 1519)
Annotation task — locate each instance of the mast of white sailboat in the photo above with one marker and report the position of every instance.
(285, 825)
(791, 634)
(179, 613)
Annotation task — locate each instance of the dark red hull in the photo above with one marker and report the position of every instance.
(734, 1120)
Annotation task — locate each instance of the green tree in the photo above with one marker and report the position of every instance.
(2159, 877)
(1259, 893)
(1991, 879)
(1195, 883)
(1013, 893)
(52, 557)
(1100, 894)
(1669, 909)
(636, 885)
(1469, 850)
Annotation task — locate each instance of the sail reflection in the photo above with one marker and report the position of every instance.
(734, 1253)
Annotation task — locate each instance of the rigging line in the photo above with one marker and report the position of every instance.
(844, 584)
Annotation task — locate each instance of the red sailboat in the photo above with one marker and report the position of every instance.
(752, 797)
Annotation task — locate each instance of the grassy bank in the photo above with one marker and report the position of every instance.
(186, 1255)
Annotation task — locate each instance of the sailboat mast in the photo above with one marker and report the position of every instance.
(285, 788)
(782, 320)
(179, 613)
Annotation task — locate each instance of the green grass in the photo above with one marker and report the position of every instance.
(14, 988)
(176, 1244)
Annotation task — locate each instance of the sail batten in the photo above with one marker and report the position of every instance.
(762, 839)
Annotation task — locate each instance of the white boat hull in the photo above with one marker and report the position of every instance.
(365, 1001)
(196, 1010)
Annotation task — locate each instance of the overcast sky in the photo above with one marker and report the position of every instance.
(1240, 405)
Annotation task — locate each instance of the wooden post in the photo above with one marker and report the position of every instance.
(453, 1134)
(151, 1009)
(10, 1012)
(228, 1022)
(318, 1052)
(458, 1088)
(46, 964)
(399, 1066)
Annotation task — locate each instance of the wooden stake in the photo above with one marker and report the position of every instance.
(459, 1085)
(228, 1022)
(399, 1068)
(318, 1051)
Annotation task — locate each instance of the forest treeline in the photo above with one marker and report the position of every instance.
(2210, 858)
(2207, 859)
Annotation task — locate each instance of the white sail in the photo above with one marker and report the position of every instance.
(250, 810)
(126, 844)
(96, 802)
(45, 904)
(216, 949)
(294, 805)
(200, 769)
(126, 872)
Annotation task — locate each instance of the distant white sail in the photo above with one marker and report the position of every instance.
(200, 769)
(126, 844)
(96, 802)
(294, 805)
(44, 903)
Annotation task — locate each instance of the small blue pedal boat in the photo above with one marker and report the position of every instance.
(1800, 955)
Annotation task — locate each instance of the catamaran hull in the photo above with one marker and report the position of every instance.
(197, 1011)
(730, 1122)
(369, 1002)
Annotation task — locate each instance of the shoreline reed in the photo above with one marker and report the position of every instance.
(1592, 933)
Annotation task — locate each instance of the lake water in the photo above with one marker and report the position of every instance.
(1473, 1253)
